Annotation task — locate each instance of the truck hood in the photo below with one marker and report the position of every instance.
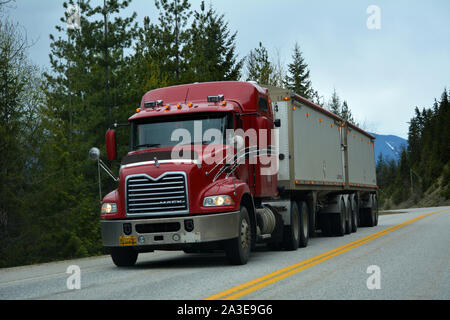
(199, 166)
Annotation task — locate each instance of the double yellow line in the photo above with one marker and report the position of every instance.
(256, 284)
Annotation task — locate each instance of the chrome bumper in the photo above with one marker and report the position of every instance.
(207, 228)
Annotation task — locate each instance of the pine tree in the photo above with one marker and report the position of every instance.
(318, 99)
(259, 68)
(297, 79)
(86, 91)
(340, 109)
(334, 105)
(169, 37)
(20, 97)
(346, 113)
(210, 53)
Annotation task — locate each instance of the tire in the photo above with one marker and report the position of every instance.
(348, 217)
(368, 217)
(355, 210)
(326, 224)
(375, 209)
(124, 257)
(304, 224)
(238, 249)
(339, 221)
(313, 219)
(291, 233)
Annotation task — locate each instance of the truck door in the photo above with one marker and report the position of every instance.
(266, 170)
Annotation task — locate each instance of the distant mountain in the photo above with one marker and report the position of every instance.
(389, 146)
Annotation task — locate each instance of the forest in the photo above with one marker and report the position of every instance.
(99, 70)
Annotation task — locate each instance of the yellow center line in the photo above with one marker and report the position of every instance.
(258, 283)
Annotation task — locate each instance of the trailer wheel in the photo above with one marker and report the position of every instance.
(238, 249)
(348, 217)
(291, 233)
(355, 213)
(340, 221)
(124, 257)
(375, 210)
(368, 215)
(304, 224)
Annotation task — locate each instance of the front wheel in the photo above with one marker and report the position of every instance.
(238, 249)
(124, 257)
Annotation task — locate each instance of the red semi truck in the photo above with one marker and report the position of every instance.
(228, 165)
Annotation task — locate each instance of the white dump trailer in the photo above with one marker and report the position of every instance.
(326, 163)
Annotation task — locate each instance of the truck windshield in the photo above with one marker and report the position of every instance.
(157, 133)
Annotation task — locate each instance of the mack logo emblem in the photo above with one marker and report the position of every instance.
(171, 202)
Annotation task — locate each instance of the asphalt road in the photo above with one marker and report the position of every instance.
(407, 256)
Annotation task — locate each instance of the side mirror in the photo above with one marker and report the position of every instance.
(94, 154)
(111, 146)
(277, 123)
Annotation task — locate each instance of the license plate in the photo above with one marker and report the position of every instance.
(127, 241)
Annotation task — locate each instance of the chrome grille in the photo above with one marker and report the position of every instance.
(164, 195)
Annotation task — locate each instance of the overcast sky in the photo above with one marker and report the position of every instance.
(382, 73)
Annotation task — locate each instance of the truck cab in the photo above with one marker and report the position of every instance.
(220, 166)
(188, 179)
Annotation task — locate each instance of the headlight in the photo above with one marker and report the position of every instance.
(108, 208)
(218, 201)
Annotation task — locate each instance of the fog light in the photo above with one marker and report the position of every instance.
(141, 239)
(176, 237)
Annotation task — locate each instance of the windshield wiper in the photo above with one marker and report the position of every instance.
(148, 145)
(204, 142)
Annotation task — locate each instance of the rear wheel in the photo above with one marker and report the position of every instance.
(375, 209)
(291, 233)
(304, 224)
(340, 221)
(355, 210)
(348, 217)
(124, 257)
(238, 249)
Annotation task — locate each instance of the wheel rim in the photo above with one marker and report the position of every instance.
(245, 234)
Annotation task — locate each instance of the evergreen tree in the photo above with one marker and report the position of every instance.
(150, 68)
(340, 109)
(259, 68)
(210, 53)
(168, 39)
(346, 113)
(318, 99)
(89, 71)
(297, 79)
(334, 105)
(427, 157)
(20, 96)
